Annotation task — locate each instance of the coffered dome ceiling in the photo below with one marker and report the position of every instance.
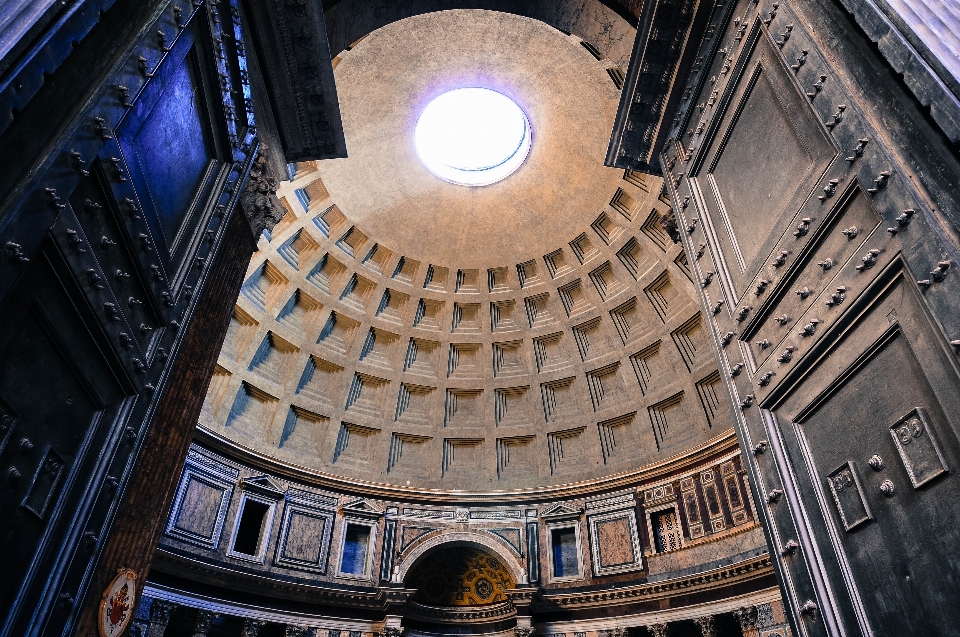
(405, 333)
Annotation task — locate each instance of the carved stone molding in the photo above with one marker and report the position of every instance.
(294, 58)
(659, 63)
(259, 198)
(390, 631)
(525, 632)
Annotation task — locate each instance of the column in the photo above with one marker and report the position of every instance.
(659, 630)
(251, 627)
(160, 612)
(705, 624)
(748, 618)
(204, 619)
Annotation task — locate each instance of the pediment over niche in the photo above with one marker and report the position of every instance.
(361, 508)
(560, 511)
(264, 485)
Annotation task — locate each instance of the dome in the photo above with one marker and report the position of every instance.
(401, 330)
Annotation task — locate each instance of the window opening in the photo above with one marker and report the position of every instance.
(250, 527)
(355, 544)
(564, 543)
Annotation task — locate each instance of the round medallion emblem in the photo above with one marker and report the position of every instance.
(118, 603)
(483, 588)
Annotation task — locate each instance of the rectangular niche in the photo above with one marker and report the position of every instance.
(355, 445)
(356, 552)
(566, 562)
(566, 449)
(239, 334)
(516, 457)
(508, 359)
(252, 412)
(462, 457)
(352, 242)
(251, 531)
(561, 399)
(301, 314)
(465, 361)
(606, 281)
(512, 406)
(392, 305)
(436, 278)
(414, 404)
(367, 395)
(406, 270)
(503, 316)
(326, 274)
(550, 353)
(338, 333)
(303, 432)
(329, 220)
(265, 286)
(321, 382)
(409, 455)
(464, 408)
(427, 316)
(423, 357)
(466, 318)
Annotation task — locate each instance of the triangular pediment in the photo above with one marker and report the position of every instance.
(561, 510)
(264, 485)
(361, 508)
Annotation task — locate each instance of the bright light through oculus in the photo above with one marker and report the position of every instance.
(472, 136)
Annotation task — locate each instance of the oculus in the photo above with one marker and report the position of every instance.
(472, 136)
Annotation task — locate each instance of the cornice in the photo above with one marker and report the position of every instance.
(738, 573)
(376, 599)
(460, 614)
(266, 584)
(677, 463)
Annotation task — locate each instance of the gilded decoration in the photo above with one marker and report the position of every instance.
(460, 576)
